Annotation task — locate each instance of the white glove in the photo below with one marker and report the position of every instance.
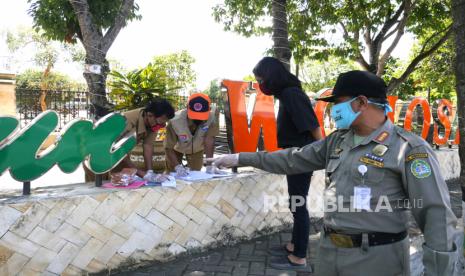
(212, 169)
(159, 178)
(149, 175)
(181, 170)
(225, 161)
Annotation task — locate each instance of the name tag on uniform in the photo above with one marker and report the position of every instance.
(204, 128)
(362, 197)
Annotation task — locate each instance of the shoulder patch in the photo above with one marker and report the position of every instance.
(410, 157)
(420, 168)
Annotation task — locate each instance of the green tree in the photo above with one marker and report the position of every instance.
(347, 28)
(249, 78)
(96, 25)
(232, 12)
(164, 77)
(34, 79)
(318, 74)
(46, 53)
(214, 92)
(458, 13)
(435, 75)
(406, 89)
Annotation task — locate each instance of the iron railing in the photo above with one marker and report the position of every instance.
(68, 104)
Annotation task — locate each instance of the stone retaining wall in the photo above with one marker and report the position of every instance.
(93, 229)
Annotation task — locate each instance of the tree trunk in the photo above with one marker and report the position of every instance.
(97, 45)
(281, 48)
(458, 14)
(96, 82)
(44, 87)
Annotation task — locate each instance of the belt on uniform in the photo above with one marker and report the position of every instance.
(355, 240)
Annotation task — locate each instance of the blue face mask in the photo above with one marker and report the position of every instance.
(343, 115)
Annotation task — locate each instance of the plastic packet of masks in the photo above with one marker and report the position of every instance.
(124, 177)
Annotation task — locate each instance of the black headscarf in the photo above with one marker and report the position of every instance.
(275, 76)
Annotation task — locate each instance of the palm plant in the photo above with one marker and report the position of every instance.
(165, 77)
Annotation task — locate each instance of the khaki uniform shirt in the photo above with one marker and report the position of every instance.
(135, 123)
(185, 137)
(402, 168)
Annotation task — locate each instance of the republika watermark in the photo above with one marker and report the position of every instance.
(339, 204)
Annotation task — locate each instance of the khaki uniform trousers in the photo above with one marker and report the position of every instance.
(382, 260)
(194, 161)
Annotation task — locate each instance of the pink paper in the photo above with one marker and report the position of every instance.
(133, 185)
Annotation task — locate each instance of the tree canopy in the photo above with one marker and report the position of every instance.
(316, 75)
(96, 24)
(33, 79)
(59, 21)
(366, 31)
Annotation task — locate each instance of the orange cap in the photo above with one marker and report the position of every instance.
(198, 106)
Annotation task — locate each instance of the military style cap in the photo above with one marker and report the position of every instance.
(356, 83)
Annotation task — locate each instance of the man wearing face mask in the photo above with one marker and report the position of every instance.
(145, 123)
(372, 168)
(191, 133)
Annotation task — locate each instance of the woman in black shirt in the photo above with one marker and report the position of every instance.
(297, 127)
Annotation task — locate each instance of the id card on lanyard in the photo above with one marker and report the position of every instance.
(362, 193)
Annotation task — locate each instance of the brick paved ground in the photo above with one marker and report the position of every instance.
(251, 257)
(247, 258)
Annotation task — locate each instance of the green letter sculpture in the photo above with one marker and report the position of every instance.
(19, 148)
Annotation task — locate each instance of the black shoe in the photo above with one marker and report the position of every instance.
(284, 263)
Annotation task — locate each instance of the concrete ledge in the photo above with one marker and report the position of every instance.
(80, 229)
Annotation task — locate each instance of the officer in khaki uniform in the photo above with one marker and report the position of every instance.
(374, 172)
(191, 133)
(144, 123)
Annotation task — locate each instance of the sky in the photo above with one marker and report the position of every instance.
(167, 27)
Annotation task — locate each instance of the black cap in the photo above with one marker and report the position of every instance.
(356, 83)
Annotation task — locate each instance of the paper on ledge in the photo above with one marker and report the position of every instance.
(199, 176)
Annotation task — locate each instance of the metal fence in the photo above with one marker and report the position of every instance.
(67, 103)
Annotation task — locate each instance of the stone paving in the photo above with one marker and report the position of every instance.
(247, 258)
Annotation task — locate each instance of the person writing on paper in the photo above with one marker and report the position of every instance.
(145, 123)
(191, 133)
(375, 171)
